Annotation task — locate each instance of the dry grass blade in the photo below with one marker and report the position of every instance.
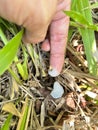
(34, 57)
(38, 126)
(59, 117)
(42, 114)
(28, 115)
(14, 88)
(10, 107)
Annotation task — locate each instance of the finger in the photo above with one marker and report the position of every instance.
(58, 44)
(58, 40)
(46, 45)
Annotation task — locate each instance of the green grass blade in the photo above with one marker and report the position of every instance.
(9, 26)
(3, 37)
(8, 52)
(14, 75)
(77, 17)
(95, 5)
(80, 21)
(6, 125)
(22, 120)
(24, 65)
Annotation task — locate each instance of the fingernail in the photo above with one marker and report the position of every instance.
(53, 72)
(57, 91)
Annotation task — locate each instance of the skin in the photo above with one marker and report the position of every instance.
(38, 17)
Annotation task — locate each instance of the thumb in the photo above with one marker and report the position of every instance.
(35, 35)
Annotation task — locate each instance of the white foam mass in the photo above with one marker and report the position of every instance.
(57, 91)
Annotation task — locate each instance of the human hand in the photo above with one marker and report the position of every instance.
(36, 17)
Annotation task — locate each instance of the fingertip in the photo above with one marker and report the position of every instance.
(53, 72)
(56, 63)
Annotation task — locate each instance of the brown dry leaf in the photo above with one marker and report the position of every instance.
(70, 101)
(10, 107)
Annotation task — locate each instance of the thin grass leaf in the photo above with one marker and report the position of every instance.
(35, 58)
(73, 4)
(8, 52)
(24, 114)
(77, 17)
(21, 68)
(24, 65)
(3, 37)
(28, 115)
(9, 26)
(6, 125)
(93, 6)
(42, 114)
(14, 75)
(80, 21)
(36, 121)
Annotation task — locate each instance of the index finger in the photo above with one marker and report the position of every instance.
(58, 39)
